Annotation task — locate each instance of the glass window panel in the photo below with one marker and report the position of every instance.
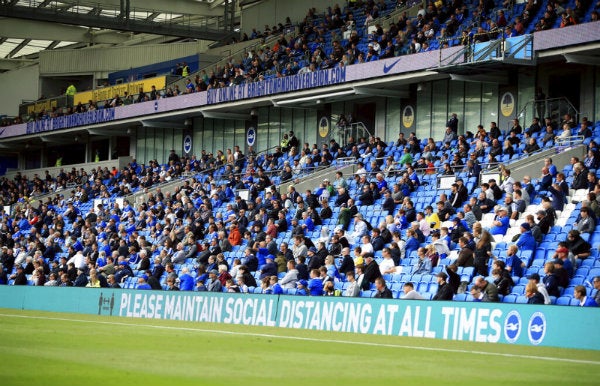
(287, 124)
(472, 103)
(229, 139)
(310, 130)
(439, 109)
(597, 97)
(262, 131)
(239, 133)
(393, 119)
(140, 151)
(526, 92)
(298, 123)
(456, 95)
(198, 132)
(207, 141)
(168, 144)
(275, 121)
(489, 104)
(177, 136)
(424, 111)
(217, 135)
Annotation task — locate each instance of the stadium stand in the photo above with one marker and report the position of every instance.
(259, 222)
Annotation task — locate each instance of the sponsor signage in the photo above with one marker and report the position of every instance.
(521, 324)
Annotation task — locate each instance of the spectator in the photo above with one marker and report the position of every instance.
(410, 293)
(580, 293)
(444, 291)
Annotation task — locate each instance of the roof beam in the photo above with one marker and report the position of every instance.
(41, 30)
(172, 6)
(18, 48)
(106, 22)
(13, 64)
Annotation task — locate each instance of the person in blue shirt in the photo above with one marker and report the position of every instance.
(269, 269)
(551, 167)
(514, 264)
(526, 241)
(580, 294)
(186, 281)
(501, 223)
(142, 283)
(301, 287)
(275, 286)
(412, 243)
(315, 284)
(307, 222)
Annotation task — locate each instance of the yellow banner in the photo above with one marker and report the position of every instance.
(132, 88)
(40, 106)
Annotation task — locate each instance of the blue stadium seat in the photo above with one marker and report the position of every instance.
(509, 299)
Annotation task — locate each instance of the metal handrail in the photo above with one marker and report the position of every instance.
(554, 106)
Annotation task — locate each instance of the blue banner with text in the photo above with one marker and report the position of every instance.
(477, 322)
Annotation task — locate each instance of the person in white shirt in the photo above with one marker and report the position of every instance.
(291, 277)
(78, 260)
(353, 288)
(387, 264)
(361, 171)
(366, 245)
(423, 224)
(410, 293)
(360, 229)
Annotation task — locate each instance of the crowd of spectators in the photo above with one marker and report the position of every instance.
(341, 36)
(205, 237)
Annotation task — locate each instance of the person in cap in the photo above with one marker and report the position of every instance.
(444, 291)
(535, 278)
(563, 266)
(214, 284)
(143, 283)
(301, 287)
(19, 276)
(458, 229)
(580, 293)
(371, 271)
(580, 248)
(526, 241)
(544, 222)
(501, 223)
(360, 228)
(81, 280)
(269, 268)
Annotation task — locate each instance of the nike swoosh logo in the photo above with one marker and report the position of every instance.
(387, 69)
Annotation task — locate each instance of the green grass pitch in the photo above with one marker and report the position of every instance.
(41, 348)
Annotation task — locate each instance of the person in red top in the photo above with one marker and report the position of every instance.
(235, 237)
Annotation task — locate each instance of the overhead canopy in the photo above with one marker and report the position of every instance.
(30, 26)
